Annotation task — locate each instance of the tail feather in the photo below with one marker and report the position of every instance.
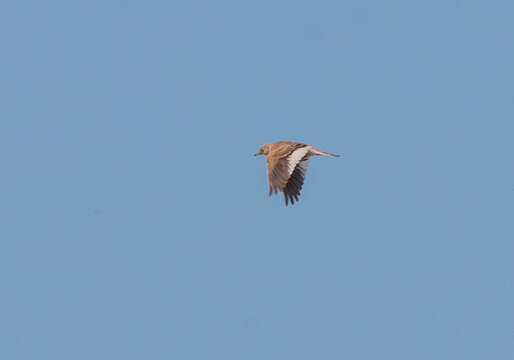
(316, 151)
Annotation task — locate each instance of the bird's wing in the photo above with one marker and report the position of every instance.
(295, 182)
(282, 162)
(295, 157)
(277, 174)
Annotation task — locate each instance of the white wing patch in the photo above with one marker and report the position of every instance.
(295, 157)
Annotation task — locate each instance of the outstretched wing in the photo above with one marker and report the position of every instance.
(295, 182)
(278, 174)
(287, 164)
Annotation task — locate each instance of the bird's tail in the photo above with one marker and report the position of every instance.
(316, 151)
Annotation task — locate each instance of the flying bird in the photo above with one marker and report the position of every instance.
(287, 165)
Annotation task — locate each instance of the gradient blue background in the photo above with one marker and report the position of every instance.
(135, 222)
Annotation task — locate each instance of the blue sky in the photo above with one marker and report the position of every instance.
(135, 222)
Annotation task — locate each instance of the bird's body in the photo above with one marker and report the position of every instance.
(287, 165)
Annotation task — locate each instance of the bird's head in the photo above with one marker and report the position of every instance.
(263, 150)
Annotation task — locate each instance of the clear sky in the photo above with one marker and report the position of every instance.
(136, 224)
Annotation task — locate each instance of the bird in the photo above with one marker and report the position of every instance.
(287, 166)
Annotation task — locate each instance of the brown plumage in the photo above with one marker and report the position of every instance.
(287, 165)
